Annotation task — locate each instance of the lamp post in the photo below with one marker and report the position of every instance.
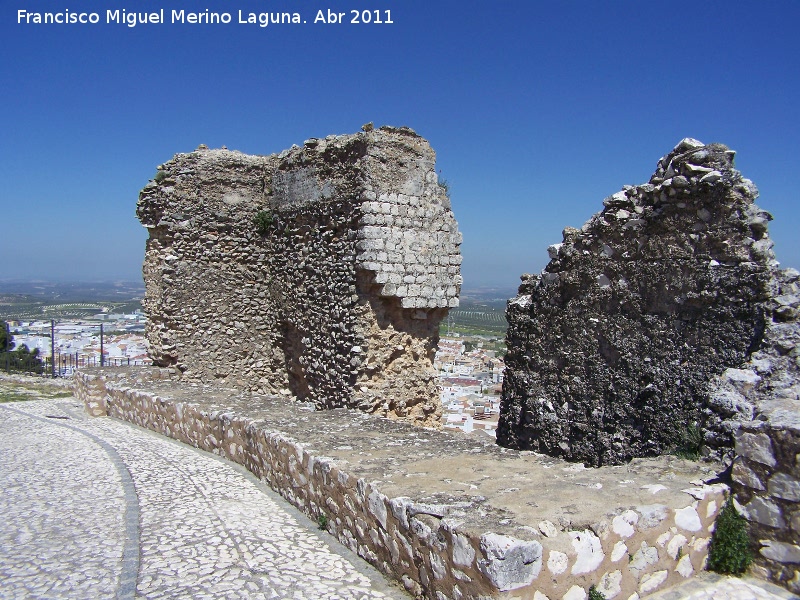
(8, 341)
(53, 346)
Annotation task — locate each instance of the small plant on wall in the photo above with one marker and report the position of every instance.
(690, 444)
(729, 551)
(595, 594)
(263, 221)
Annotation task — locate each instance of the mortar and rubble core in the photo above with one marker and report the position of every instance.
(665, 324)
(448, 515)
(322, 272)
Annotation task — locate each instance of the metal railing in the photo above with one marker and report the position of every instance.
(58, 364)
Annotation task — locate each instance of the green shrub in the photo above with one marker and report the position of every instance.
(160, 176)
(729, 551)
(263, 221)
(443, 183)
(595, 595)
(322, 521)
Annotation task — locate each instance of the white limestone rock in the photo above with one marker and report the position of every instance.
(557, 562)
(463, 552)
(609, 584)
(685, 567)
(576, 592)
(510, 563)
(675, 545)
(688, 519)
(623, 525)
(650, 581)
(620, 550)
(589, 551)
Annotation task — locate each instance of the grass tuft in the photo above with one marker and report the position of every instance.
(729, 552)
(594, 594)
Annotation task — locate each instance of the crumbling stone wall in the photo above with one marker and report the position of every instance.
(651, 325)
(335, 297)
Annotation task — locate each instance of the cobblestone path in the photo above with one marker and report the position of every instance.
(710, 586)
(97, 508)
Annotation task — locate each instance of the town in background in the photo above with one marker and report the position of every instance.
(103, 323)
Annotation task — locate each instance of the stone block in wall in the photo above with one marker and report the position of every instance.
(766, 484)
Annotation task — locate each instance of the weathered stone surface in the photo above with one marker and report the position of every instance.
(769, 448)
(644, 557)
(651, 515)
(743, 474)
(509, 563)
(764, 511)
(336, 297)
(781, 552)
(785, 486)
(664, 316)
(757, 447)
(463, 552)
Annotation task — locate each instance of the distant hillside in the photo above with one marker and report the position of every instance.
(60, 300)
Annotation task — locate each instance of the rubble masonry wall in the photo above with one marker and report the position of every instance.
(335, 295)
(665, 322)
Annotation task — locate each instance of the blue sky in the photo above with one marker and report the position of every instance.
(537, 111)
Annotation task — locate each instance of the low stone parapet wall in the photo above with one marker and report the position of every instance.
(448, 515)
(766, 482)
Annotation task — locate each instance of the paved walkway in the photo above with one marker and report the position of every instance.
(97, 508)
(711, 586)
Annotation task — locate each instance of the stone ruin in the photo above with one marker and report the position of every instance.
(664, 322)
(322, 272)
